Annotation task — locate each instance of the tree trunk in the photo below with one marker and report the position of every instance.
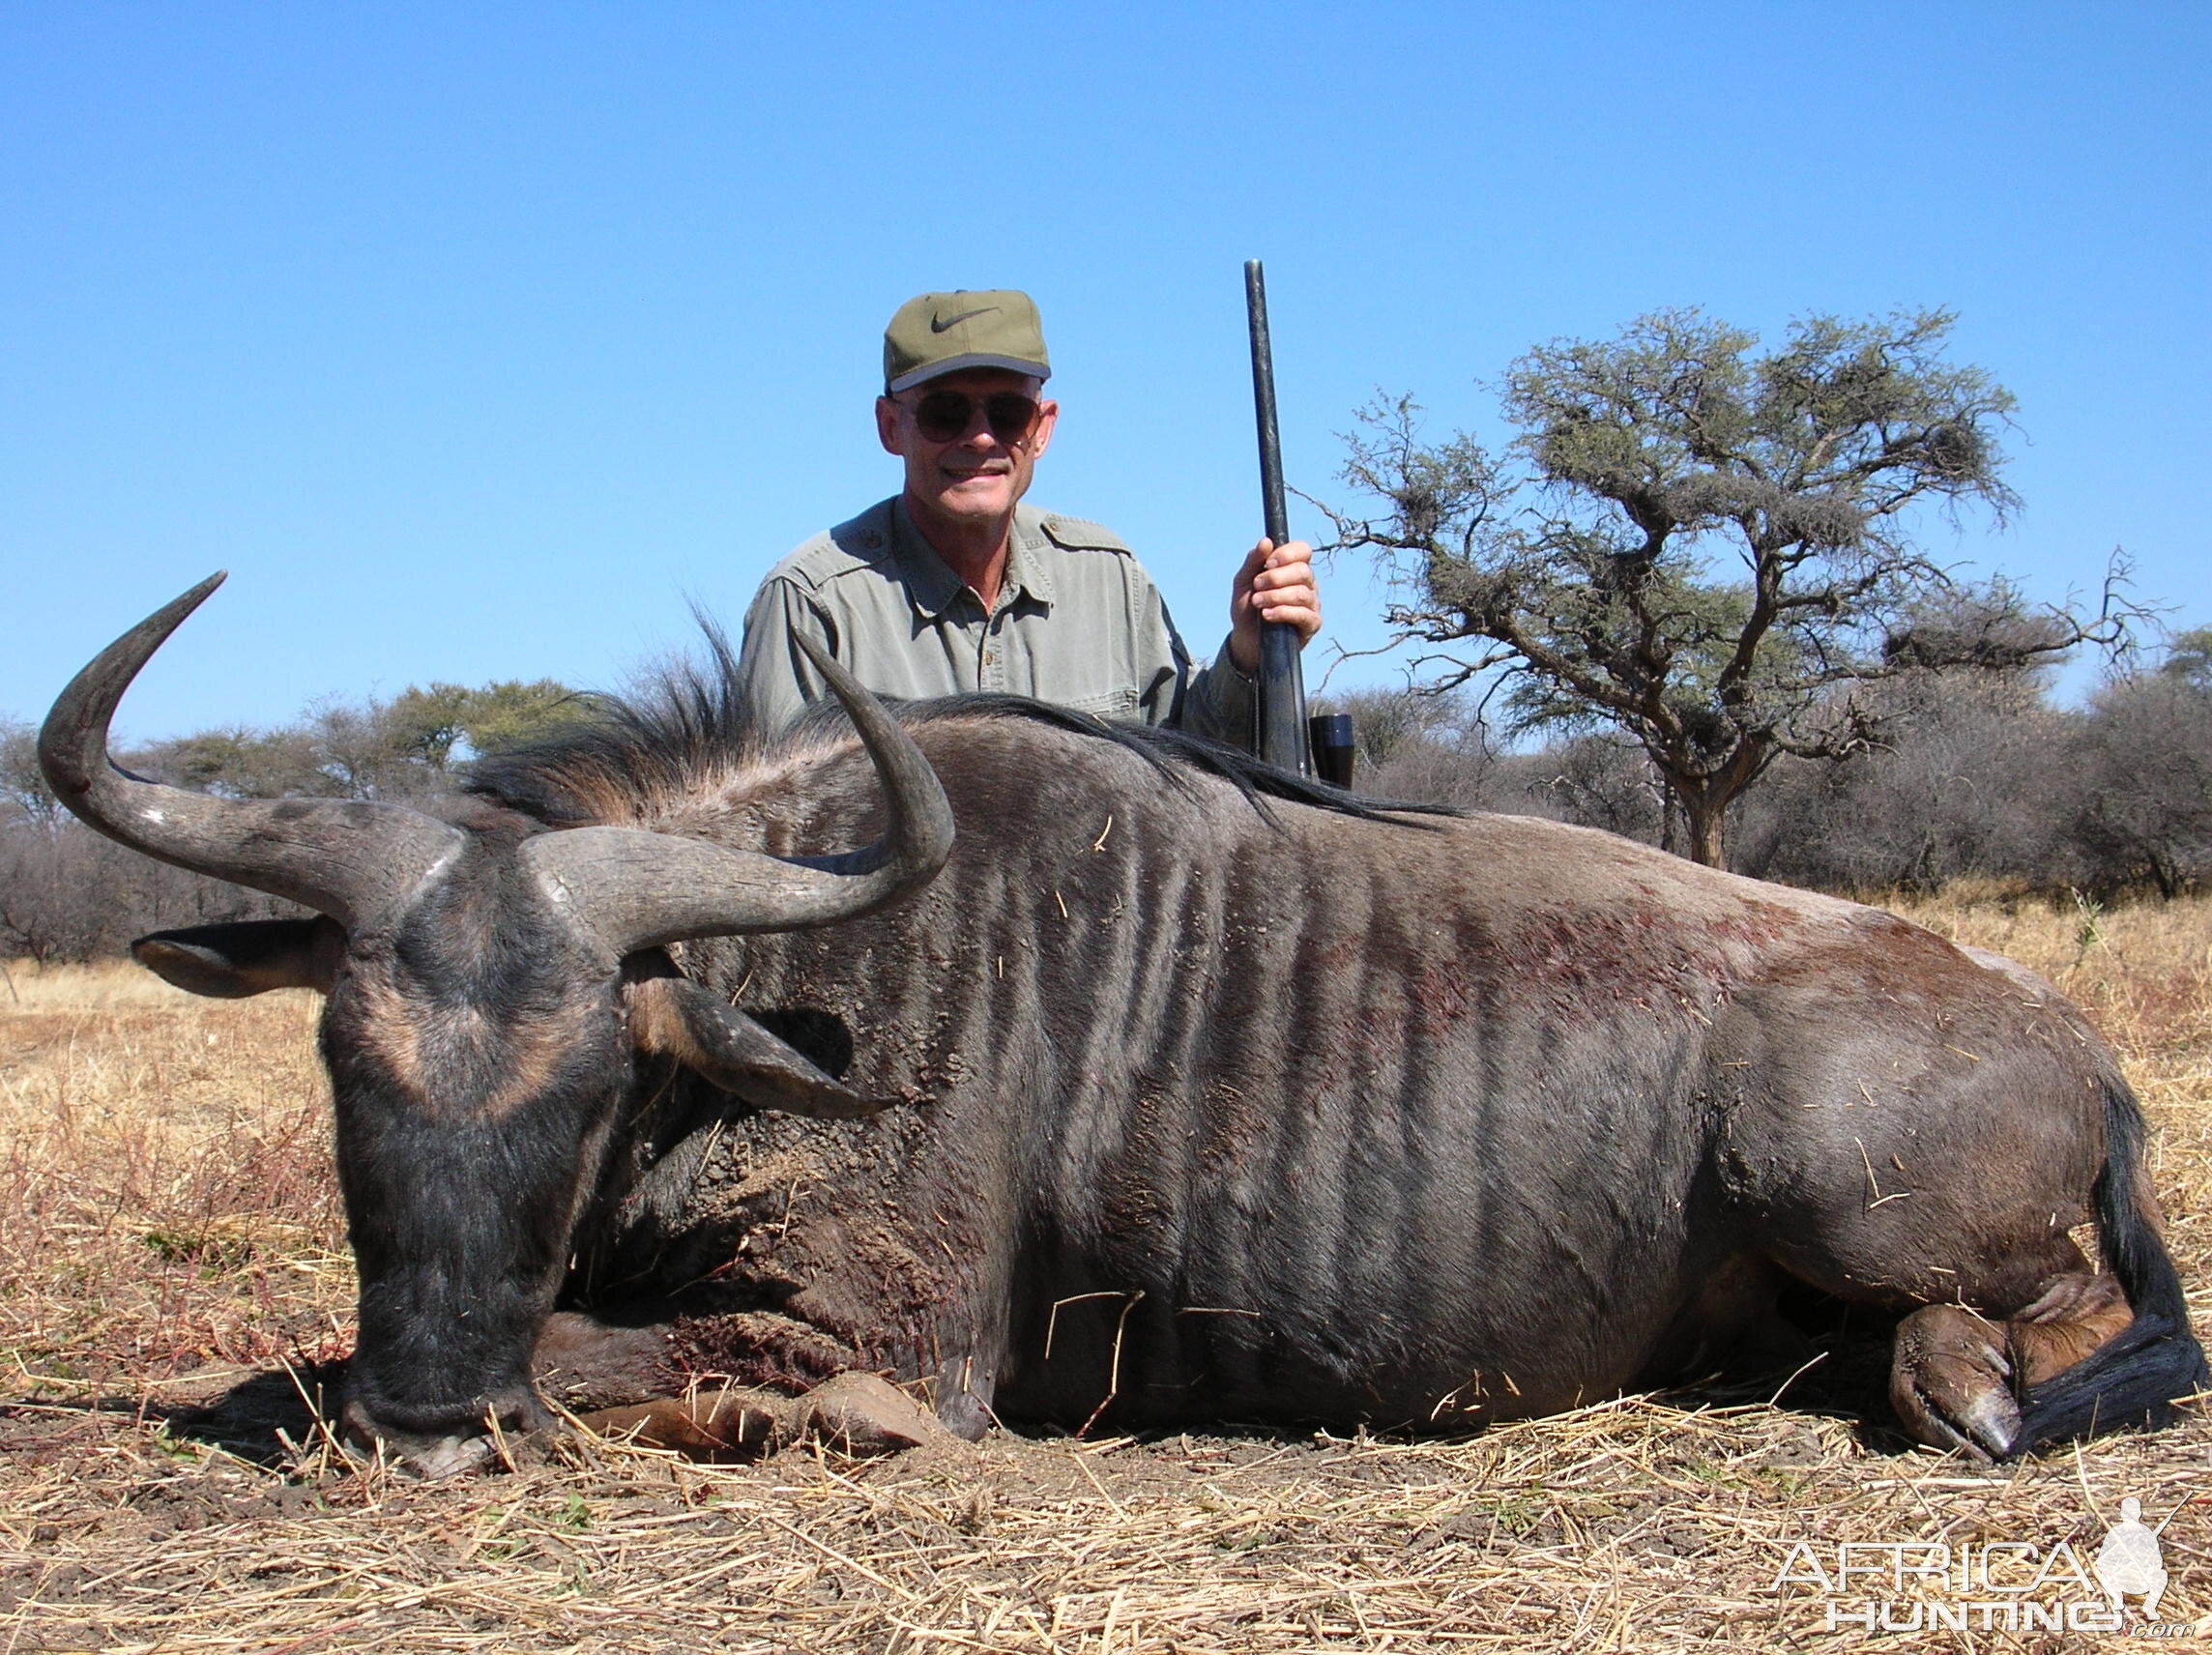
(2167, 878)
(1704, 820)
(1702, 804)
(1705, 796)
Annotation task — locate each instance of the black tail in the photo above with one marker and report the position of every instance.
(2132, 1380)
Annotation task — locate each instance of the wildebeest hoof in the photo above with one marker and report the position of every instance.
(511, 1424)
(862, 1414)
(1951, 1382)
(418, 1454)
(445, 1457)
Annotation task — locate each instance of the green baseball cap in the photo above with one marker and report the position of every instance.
(944, 333)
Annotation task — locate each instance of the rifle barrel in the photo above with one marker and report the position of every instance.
(1283, 736)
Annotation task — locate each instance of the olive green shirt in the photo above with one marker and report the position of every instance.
(1077, 622)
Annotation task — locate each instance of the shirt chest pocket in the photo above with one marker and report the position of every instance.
(1071, 658)
(1117, 704)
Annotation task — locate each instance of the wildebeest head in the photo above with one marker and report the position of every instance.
(488, 986)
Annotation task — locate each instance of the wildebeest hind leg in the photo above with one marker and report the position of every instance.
(1956, 1376)
(1729, 1327)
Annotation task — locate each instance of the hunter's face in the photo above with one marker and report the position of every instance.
(976, 474)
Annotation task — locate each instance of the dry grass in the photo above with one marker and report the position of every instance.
(168, 1232)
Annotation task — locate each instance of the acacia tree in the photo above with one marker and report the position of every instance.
(346, 748)
(1708, 550)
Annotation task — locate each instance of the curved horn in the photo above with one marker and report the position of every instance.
(633, 889)
(349, 858)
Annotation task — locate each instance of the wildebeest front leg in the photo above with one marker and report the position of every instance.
(853, 1413)
(1956, 1376)
(629, 1382)
(583, 1364)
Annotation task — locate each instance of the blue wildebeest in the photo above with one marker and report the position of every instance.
(1170, 1081)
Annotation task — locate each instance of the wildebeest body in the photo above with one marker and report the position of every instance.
(1119, 1071)
(1342, 1119)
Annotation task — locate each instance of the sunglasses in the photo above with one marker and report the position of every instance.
(947, 416)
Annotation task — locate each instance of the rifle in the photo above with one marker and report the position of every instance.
(1287, 740)
(1282, 705)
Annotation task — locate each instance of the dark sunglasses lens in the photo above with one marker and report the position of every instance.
(1011, 415)
(945, 416)
(942, 415)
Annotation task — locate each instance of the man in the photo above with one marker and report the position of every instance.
(955, 584)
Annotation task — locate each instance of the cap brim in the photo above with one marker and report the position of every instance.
(955, 365)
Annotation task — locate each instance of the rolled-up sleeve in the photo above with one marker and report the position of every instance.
(1218, 704)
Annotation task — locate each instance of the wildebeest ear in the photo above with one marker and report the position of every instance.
(677, 1017)
(229, 962)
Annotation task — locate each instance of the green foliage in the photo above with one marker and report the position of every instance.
(67, 894)
(425, 724)
(367, 749)
(1705, 548)
(2189, 658)
(428, 723)
(247, 764)
(510, 712)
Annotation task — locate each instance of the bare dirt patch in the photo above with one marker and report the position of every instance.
(173, 1278)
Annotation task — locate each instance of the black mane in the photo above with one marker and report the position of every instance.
(688, 720)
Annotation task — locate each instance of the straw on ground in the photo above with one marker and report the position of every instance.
(169, 1234)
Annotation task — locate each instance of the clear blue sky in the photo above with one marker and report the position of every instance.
(473, 339)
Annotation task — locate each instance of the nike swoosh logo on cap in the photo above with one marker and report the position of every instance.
(939, 324)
